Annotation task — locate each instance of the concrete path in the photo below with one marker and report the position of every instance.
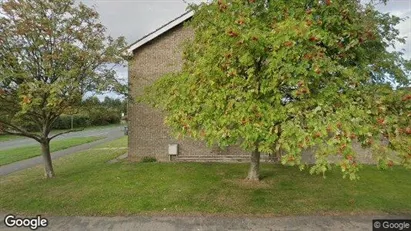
(92, 132)
(20, 165)
(168, 223)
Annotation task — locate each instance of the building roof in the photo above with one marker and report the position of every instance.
(164, 28)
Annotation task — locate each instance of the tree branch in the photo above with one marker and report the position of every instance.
(20, 132)
(62, 133)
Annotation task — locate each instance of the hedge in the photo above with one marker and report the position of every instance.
(93, 118)
(79, 121)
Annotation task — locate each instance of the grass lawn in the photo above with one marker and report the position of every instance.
(12, 155)
(87, 185)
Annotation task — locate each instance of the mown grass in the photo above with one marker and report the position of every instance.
(16, 154)
(86, 184)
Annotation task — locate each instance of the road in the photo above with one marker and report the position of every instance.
(105, 132)
(170, 223)
(109, 134)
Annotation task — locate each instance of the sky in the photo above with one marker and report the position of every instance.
(135, 18)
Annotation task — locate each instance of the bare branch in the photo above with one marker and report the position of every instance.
(62, 133)
(20, 131)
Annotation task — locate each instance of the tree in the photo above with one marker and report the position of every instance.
(111, 103)
(283, 76)
(51, 53)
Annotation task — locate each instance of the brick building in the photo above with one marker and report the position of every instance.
(154, 55)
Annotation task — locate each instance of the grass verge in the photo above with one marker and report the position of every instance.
(12, 155)
(86, 184)
(4, 137)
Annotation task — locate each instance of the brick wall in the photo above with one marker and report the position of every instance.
(148, 136)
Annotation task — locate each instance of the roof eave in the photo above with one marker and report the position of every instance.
(147, 38)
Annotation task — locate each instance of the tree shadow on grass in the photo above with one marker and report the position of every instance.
(267, 174)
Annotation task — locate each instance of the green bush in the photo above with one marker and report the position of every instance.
(79, 121)
(104, 116)
(89, 116)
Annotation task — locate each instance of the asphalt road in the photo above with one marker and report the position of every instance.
(38, 160)
(179, 223)
(105, 132)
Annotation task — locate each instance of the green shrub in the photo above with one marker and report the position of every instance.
(104, 116)
(79, 121)
(93, 116)
(148, 159)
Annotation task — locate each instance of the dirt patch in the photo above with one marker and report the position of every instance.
(118, 158)
(249, 184)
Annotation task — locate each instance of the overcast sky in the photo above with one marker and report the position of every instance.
(136, 18)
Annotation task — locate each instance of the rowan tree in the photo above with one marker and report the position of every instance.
(284, 76)
(51, 53)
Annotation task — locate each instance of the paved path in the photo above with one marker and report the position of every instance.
(92, 132)
(20, 165)
(159, 223)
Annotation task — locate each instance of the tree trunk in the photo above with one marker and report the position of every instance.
(48, 166)
(254, 172)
